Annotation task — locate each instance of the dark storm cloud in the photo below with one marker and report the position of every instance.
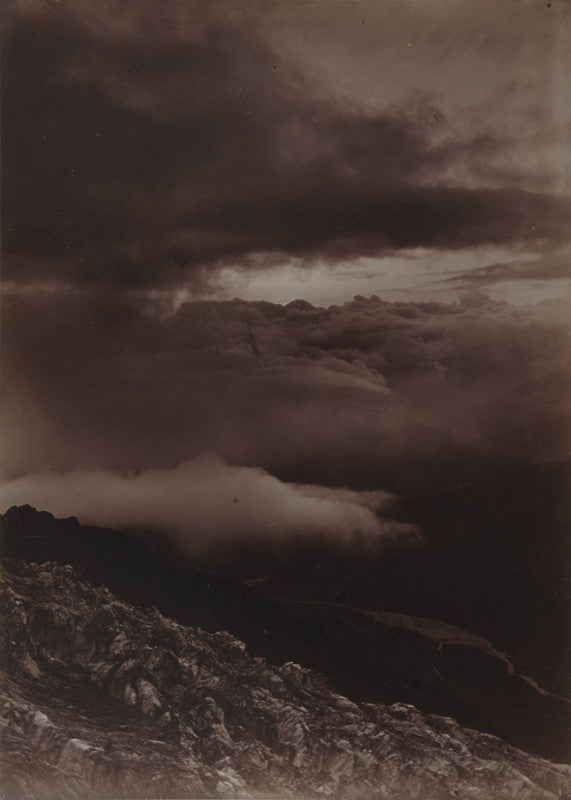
(368, 395)
(145, 146)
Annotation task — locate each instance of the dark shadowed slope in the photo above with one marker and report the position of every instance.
(430, 663)
(495, 562)
(498, 563)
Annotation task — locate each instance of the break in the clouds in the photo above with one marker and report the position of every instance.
(149, 144)
(556, 268)
(205, 502)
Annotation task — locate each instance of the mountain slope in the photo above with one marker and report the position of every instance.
(102, 698)
(142, 576)
(364, 660)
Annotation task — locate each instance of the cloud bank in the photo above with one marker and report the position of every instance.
(405, 396)
(205, 502)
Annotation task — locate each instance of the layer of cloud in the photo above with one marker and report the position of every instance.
(404, 396)
(206, 502)
(556, 267)
(149, 144)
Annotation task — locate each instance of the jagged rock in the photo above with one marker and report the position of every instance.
(124, 702)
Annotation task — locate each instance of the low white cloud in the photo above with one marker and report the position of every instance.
(206, 501)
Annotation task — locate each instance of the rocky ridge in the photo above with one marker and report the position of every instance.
(104, 699)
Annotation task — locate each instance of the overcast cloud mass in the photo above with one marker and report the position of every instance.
(146, 144)
(158, 155)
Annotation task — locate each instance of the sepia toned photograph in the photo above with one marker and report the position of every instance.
(285, 401)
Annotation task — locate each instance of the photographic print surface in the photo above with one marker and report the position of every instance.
(285, 399)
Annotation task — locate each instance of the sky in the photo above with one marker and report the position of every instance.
(310, 251)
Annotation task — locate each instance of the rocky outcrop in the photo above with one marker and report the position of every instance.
(100, 698)
(139, 574)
